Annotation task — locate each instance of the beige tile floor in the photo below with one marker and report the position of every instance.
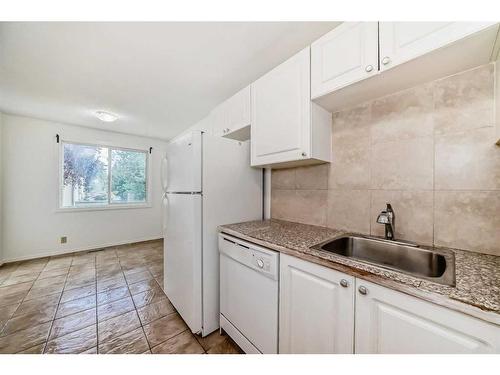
(106, 301)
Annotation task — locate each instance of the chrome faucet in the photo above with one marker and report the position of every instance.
(387, 218)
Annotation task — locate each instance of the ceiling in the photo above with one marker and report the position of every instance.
(160, 78)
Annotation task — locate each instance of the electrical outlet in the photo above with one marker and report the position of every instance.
(64, 239)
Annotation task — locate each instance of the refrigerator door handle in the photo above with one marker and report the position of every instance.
(164, 173)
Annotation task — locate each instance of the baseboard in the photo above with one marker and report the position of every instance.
(79, 249)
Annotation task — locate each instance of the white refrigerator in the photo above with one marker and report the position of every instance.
(207, 181)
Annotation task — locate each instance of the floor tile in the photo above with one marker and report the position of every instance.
(76, 305)
(213, 339)
(84, 291)
(112, 309)
(37, 349)
(118, 325)
(134, 269)
(104, 285)
(162, 329)
(32, 319)
(74, 322)
(79, 281)
(184, 343)
(155, 310)
(12, 280)
(53, 273)
(6, 313)
(142, 286)
(112, 295)
(133, 342)
(138, 276)
(149, 296)
(25, 339)
(225, 347)
(45, 290)
(13, 294)
(38, 304)
(75, 342)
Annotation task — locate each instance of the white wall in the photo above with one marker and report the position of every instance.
(32, 226)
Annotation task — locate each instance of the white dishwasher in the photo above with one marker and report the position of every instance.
(249, 277)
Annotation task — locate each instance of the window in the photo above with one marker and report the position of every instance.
(96, 176)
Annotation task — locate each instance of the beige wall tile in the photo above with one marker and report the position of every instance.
(312, 177)
(303, 206)
(352, 126)
(464, 101)
(467, 161)
(349, 210)
(399, 149)
(282, 206)
(413, 211)
(350, 168)
(404, 115)
(283, 178)
(468, 220)
(403, 165)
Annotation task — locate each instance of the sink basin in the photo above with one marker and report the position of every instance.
(397, 256)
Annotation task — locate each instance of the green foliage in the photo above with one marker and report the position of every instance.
(128, 175)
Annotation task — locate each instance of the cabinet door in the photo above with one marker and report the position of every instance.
(238, 111)
(219, 120)
(403, 41)
(281, 112)
(316, 311)
(347, 54)
(390, 322)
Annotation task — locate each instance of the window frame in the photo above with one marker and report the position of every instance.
(109, 205)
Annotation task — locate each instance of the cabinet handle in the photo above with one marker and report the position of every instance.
(386, 60)
(304, 154)
(369, 68)
(344, 283)
(362, 290)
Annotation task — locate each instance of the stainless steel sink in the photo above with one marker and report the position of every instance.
(438, 267)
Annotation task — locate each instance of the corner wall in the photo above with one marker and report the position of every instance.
(31, 225)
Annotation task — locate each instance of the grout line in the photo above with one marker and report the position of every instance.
(133, 302)
(58, 304)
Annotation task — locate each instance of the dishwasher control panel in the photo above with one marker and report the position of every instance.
(254, 256)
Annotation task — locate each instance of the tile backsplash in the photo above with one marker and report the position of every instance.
(429, 151)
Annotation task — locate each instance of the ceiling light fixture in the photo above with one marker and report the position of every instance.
(106, 116)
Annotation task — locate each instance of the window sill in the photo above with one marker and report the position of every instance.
(104, 208)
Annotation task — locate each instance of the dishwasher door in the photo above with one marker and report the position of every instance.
(249, 292)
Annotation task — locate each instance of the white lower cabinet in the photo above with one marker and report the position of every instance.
(393, 322)
(326, 311)
(316, 311)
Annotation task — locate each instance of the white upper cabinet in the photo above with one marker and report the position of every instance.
(390, 322)
(286, 128)
(238, 114)
(232, 117)
(402, 55)
(347, 54)
(316, 308)
(403, 41)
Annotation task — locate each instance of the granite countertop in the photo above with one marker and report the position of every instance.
(477, 290)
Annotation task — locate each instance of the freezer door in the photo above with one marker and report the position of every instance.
(183, 163)
(183, 256)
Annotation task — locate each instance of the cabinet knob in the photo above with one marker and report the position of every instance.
(369, 68)
(362, 290)
(386, 60)
(344, 283)
(304, 154)
(260, 263)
